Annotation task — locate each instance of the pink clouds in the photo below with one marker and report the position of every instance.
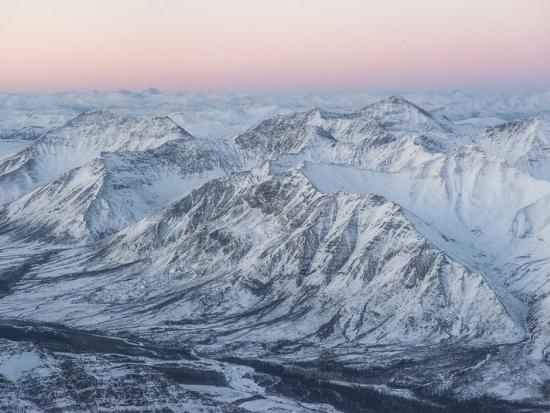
(248, 44)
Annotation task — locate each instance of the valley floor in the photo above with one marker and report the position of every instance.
(53, 368)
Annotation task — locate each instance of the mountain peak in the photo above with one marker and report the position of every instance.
(515, 126)
(398, 113)
(396, 101)
(167, 124)
(94, 116)
(316, 111)
(125, 92)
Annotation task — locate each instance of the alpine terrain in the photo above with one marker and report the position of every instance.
(389, 255)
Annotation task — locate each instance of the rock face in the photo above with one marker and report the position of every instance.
(380, 250)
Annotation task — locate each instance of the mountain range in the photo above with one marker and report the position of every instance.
(388, 258)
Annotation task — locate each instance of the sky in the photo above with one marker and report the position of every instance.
(273, 45)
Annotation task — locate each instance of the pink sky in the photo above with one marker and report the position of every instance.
(48, 45)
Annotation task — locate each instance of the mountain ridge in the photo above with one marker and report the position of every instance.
(386, 246)
(77, 142)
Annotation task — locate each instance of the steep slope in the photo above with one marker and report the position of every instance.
(267, 258)
(112, 191)
(77, 142)
(524, 144)
(481, 212)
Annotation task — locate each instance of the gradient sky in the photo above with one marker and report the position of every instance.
(207, 45)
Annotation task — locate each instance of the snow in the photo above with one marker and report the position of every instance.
(79, 141)
(215, 115)
(14, 367)
(9, 147)
(399, 222)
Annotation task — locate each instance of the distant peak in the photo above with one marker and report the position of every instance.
(513, 126)
(311, 114)
(162, 119)
(316, 110)
(125, 92)
(166, 122)
(153, 91)
(93, 115)
(397, 100)
(98, 112)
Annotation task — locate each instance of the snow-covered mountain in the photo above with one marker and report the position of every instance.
(524, 144)
(388, 135)
(267, 258)
(24, 133)
(218, 114)
(466, 209)
(388, 253)
(112, 191)
(79, 141)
